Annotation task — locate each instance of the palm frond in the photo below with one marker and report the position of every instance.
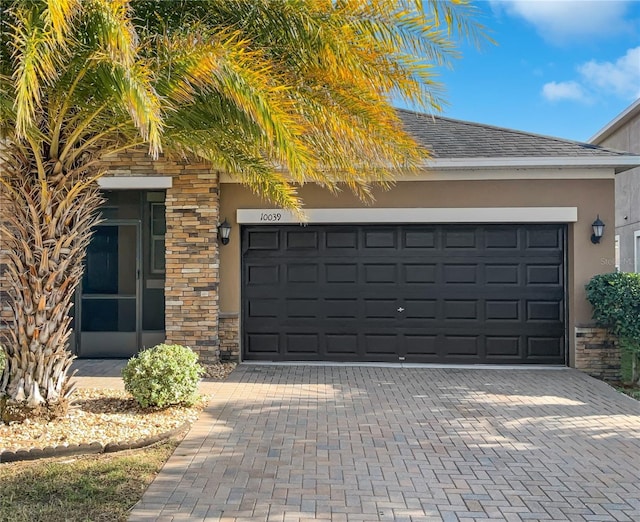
(34, 56)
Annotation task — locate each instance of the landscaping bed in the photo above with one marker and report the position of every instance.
(99, 419)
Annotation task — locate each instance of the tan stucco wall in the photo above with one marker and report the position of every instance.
(591, 197)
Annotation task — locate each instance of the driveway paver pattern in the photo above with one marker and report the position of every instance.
(367, 443)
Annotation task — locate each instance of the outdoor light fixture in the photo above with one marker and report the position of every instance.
(598, 230)
(224, 230)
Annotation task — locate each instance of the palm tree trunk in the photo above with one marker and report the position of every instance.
(46, 229)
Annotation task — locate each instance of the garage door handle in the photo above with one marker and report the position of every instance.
(400, 309)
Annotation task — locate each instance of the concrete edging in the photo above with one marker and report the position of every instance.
(87, 449)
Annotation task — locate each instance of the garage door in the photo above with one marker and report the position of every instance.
(491, 294)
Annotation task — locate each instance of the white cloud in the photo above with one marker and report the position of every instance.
(621, 77)
(560, 21)
(555, 91)
(598, 79)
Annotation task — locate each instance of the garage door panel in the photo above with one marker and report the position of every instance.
(340, 344)
(548, 310)
(299, 344)
(341, 239)
(421, 309)
(381, 273)
(262, 274)
(263, 343)
(455, 238)
(383, 345)
(302, 239)
(460, 309)
(420, 345)
(341, 308)
(502, 274)
(302, 273)
(303, 308)
(502, 238)
(503, 310)
(261, 308)
(341, 273)
(380, 239)
(263, 239)
(419, 239)
(460, 273)
(421, 293)
(380, 308)
(503, 346)
(543, 347)
(461, 345)
(423, 273)
(547, 274)
(543, 238)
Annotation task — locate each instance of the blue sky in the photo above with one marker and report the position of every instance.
(560, 67)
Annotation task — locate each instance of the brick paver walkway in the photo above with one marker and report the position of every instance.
(303, 443)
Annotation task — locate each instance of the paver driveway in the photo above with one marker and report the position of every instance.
(293, 443)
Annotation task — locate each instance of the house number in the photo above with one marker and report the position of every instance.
(271, 217)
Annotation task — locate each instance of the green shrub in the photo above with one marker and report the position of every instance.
(616, 306)
(3, 359)
(163, 375)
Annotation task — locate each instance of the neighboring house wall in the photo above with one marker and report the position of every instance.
(626, 137)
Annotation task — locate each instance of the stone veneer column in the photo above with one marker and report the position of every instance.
(229, 333)
(192, 266)
(597, 353)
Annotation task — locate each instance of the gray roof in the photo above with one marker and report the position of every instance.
(447, 138)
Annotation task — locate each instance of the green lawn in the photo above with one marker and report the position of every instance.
(90, 488)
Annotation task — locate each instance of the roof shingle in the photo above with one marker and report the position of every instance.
(449, 138)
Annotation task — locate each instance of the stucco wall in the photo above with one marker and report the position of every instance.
(627, 138)
(591, 197)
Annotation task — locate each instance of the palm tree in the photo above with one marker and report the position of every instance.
(277, 93)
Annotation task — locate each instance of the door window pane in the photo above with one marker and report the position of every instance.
(108, 315)
(158, 231)
(110, 264)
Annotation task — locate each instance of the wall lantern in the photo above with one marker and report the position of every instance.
(224, 230)
(598, 230)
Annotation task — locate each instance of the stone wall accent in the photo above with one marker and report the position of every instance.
(192, 265)
(597, 353)
(229, 332)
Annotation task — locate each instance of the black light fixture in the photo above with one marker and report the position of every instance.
(598, 230)
(224, 230)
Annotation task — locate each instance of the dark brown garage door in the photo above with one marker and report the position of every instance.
(490, 294)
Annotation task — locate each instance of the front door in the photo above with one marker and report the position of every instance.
(108, 313)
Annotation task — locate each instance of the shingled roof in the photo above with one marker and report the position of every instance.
(447, 138)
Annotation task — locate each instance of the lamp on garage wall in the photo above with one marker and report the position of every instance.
(598, 230)
(224, 230)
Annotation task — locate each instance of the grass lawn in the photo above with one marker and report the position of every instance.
(88, 488)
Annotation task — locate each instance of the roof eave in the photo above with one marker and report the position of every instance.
(611, 127)
(620, 164)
